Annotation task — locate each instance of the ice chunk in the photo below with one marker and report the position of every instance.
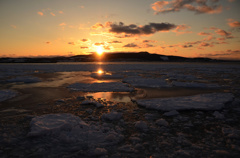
(92, 102)
(146, 82)
(101, 87)
(67, 128)
(171, 113)
(112, 116)
(162, 122)
(7, 94)
(54, 123)
(218, 115)
(212, 101)
(141, 126)
(24, 79)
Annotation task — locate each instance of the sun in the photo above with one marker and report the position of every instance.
(99, 50)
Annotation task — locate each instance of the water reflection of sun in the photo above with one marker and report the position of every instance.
(100, 71)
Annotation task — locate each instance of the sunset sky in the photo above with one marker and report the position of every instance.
(189, 28)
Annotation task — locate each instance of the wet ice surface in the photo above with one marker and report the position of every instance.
(175, 110)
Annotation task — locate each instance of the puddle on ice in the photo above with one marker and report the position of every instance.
(111, 96)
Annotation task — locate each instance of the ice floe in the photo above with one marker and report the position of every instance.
(67, 128)
(7, 94)
(212, 101)
(101, 87)
(25, 79)
(146, 82)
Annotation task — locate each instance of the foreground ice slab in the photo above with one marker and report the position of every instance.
(101, 87)
(194, 85)
(146, 82)
(7, 94)
(213, 101)
(68, 128)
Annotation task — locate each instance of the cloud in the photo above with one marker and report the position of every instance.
(72, 43)
(40, 13)
(224, 33)
(84, 40)
(204, 34)
(233, 23)
(147, 41)
(84, 47)
(186, 46)
(13, 26)
(133, 29)
(115, 42)
(62, 24)
(99, 44)
(197, 6)
(204, 44)
(180, 29)
(60, 12)
(97, 26)
(52, 14)
(48, 42)
(130, 45)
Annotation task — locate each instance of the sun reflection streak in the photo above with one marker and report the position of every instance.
(100, 71)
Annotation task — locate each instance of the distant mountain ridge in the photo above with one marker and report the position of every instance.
(109, 57)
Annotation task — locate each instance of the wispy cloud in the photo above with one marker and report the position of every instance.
(40, 13)
(197, 6)
(97, 26)
(53, 14)
(233, 23)
(13, 26)
(130, 45)
(182, 29)
(71, 43)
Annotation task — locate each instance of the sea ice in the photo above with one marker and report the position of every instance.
(101, 87)
(141, 126)
(212, 101)
(194, 85)
(67, 128)
(112, 116)
(7, 94)
(92, 102)
(24, 79)
(146, 82)
(106, 76)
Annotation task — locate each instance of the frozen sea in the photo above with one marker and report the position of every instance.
(120, 109)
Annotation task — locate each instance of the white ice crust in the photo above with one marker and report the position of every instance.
(212, 101)
(7, 94)
(146, 82)
(101, 87)
(68, 128)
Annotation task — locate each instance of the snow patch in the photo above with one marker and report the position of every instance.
(101, 87)
(213, 101)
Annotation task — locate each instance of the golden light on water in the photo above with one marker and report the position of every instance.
(100, 71)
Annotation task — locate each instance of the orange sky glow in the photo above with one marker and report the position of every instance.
(197, 28)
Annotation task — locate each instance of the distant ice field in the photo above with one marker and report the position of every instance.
(119, 76)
